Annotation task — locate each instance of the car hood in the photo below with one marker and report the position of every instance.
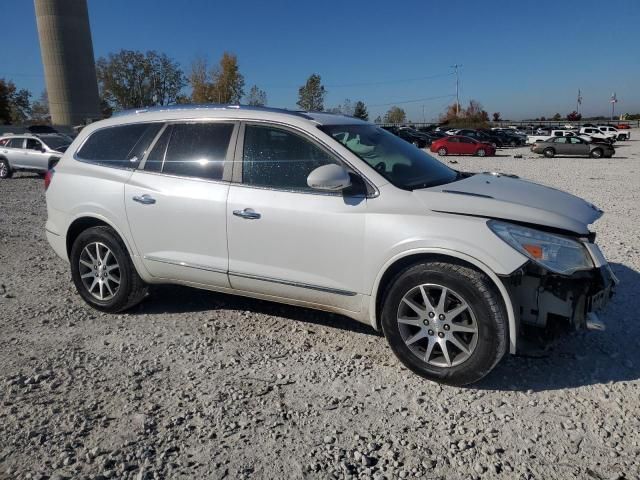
(508, 197)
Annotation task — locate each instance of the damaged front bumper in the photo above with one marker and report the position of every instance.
(540, 296)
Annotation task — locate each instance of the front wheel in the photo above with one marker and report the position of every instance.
(442, 152)
(445, 322)
(103, 273)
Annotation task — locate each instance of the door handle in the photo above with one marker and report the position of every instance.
(247, 213)
(144, 199)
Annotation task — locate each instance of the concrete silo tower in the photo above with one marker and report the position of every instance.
(67, 56)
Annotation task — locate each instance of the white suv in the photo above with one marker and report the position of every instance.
(328, 212)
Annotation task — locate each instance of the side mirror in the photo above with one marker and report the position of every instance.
(329, 178)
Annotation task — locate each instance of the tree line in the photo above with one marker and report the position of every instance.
(132, 79)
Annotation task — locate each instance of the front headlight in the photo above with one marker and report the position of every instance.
(554, 252)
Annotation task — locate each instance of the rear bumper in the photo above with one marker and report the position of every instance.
(58, 243)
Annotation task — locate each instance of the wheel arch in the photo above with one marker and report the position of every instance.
(82, 223)
(406, 259)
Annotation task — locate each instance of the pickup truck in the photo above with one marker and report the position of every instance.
(531, 139)
(620, 135)
(598, 135)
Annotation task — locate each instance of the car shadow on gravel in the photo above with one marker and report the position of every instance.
(581, 358)
(169, 299)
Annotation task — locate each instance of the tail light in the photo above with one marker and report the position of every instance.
(47, 178)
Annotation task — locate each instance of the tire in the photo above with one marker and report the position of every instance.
(481, 152)
(549, 152)
(130, 291)
(513, 143)
(442, 152)
(597, 153)
(485, 311)
(5, 169)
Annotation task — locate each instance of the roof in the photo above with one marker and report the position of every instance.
(237, 111)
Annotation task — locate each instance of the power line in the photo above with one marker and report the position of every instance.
(412, 101)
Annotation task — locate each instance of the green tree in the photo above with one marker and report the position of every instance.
(395, 115)
(496, 116)
(132, 79)
(228, 82)
(40, 109)
(5, 102)
(201, 86)
(311, 94)
(15, 104)
(222, 84)
(257, 97)
(557, 117)
(378, 119)
(360, 110)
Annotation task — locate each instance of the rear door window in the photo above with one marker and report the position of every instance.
(194, 150)
(121, 146)
(15, 143)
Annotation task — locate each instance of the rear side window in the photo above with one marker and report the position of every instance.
(4, 142)
(279, 159)
(33, 144)
(15, 143)
(120, 147)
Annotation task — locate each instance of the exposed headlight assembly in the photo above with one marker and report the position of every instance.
(554, 252)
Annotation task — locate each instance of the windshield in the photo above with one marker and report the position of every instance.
(404, 165)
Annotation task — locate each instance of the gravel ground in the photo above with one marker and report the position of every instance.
(194, 384)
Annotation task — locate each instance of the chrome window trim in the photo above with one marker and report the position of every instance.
(308, 286)
(315, 141)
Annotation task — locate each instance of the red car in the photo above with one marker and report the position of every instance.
(623, 126)
(459, 145)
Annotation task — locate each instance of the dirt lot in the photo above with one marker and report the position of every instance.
(194, 384)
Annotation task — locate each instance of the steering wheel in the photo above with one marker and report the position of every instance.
(381, 167)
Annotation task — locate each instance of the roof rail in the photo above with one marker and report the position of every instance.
(211, 106)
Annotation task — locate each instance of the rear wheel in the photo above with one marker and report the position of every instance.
(445, 322)
(549, 152)
(103, 273)
(481, 152)
(5, 169)
(442, 151)
(596, 153)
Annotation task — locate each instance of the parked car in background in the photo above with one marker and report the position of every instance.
(619, 135)
(459, 145)
(28, 152)
(572, 145)
(410, 135)
(554, 133)
(351, 219)
(507, 139)
(597, 134)
(623, 126)
(481, 136)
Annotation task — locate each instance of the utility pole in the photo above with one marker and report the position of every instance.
(614, 100)
(455, 67)
(579, 101)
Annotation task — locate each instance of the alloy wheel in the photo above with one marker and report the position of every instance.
(4, 170)
(437, 325)
(99, 271)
